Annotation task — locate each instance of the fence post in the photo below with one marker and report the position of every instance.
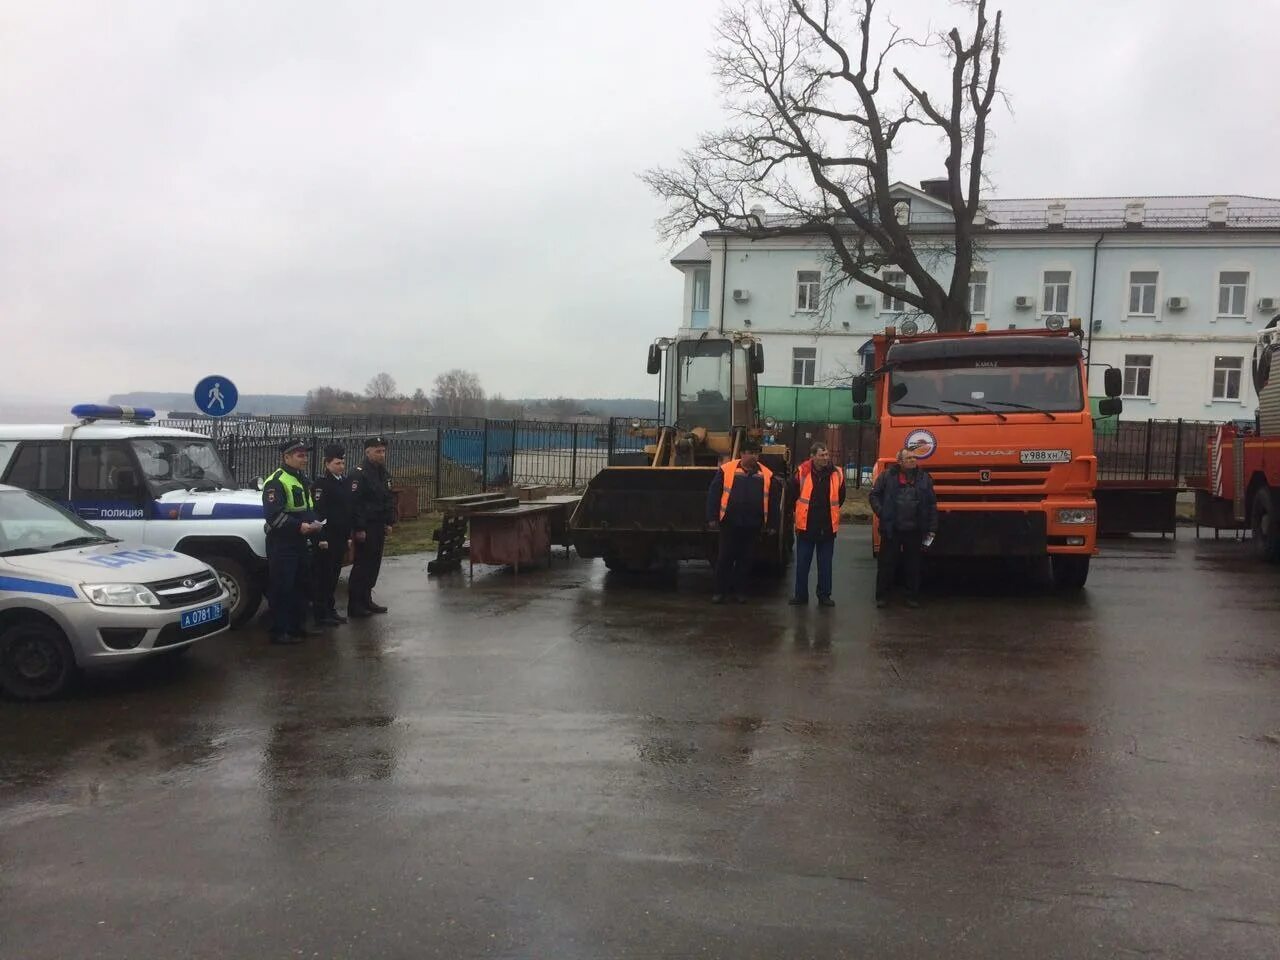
(1177, 456)
(439, 478)
(484, 459)
(573, 468)
(609, 454)
(1146, 460)
(515, 425)
(857, 483)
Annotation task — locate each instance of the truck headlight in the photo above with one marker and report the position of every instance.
(1078, 515)
(120, 595)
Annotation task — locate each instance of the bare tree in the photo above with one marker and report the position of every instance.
(381, 387)
(458, 393)
(814, 130)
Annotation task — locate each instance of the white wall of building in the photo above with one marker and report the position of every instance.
(1183, 343)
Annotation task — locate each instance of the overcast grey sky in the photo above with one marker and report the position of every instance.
(295, 193)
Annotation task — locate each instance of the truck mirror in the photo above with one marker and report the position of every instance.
(1110, 406)
(1113, 382)
(757, 358)
(655, 359)
(859, 390)
(861, 412)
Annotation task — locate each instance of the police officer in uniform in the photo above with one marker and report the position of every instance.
(332, 495)
(291, 522)
(373, 514)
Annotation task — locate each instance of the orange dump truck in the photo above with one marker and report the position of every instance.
(1001, 422)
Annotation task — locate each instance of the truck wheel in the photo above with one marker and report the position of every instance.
(1070, 571)
(36, 662)
(1266, 526)
(245, 591)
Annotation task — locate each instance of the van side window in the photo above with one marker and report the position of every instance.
(41, 466)
(105, 471)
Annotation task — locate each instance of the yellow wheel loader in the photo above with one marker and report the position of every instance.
(651, 512)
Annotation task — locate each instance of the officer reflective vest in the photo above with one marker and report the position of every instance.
(730, 470)
(297, 497)
(806, 493)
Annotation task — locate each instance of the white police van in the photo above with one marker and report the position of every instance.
(148, 484)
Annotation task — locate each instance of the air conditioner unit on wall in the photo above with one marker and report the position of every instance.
(1267, 304)
(1176, 303)
(741, 296)
(1024, 303)
(863, 301)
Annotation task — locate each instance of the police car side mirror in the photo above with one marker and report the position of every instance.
(260, 483)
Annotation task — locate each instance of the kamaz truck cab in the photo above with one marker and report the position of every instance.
(1001, 422)
(149, 484)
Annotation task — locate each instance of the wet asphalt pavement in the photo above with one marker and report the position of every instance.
(568, 765)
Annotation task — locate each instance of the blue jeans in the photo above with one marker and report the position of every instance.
(805, 550)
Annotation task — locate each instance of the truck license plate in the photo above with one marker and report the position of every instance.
(201, 616)
(1046, 456)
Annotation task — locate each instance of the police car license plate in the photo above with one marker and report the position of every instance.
(1046, 456)
(198, 618)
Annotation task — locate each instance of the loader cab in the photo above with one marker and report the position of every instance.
(711, 383)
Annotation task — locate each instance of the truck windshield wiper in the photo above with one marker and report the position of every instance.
(976, 406)
(1023, 406)
(926, 406)
(80, 542)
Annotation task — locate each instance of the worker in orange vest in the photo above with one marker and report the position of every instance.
(818, 492)
(739, 503)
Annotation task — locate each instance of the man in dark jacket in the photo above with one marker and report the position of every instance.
(817, 489)
(904, 502)
(739, 503)
(373, 514)
(332, 495)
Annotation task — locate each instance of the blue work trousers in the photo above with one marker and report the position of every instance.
(805, 549)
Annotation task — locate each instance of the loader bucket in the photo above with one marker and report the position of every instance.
(636, 516)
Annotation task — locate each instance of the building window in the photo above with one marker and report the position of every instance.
(1057, 291)
(978, 292)
(1142, 293)
(700, 312)
(1226, 377)
(808, 288)
(888, 302)
(1233, 293)
(804, 366)
(1137, 375)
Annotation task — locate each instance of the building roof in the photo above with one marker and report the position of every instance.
(696, 252)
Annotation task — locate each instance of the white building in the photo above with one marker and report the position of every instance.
(1171, 289)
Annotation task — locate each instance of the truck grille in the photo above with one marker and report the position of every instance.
(1005, 483)
(184, 591)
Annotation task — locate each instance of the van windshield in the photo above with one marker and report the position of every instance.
(181, 463)
(967, 387)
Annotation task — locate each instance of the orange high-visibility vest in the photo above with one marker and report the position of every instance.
(730, 470)
(806, 492)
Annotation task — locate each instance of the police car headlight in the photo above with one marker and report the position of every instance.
(120, 595)
(1073, 515)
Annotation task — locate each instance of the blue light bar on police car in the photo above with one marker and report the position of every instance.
(104, 411)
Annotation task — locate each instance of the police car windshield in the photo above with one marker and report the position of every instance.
(31, 524)
(1011, 383)
(181, 463)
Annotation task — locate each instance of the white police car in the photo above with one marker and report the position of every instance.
(73, 597)
(147, 484)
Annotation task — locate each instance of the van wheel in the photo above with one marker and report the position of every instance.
(1070, 571)
(245, 591)
(1266, 526)
(36, 662)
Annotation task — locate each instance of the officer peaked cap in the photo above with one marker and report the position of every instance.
(375, 442)
(334, 451)
(292, 444)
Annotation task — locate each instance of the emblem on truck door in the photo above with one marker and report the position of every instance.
(922, 442)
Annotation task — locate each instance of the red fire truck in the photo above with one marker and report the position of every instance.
(1242, 488)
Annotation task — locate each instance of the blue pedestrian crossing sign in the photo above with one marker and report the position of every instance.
(216, 396)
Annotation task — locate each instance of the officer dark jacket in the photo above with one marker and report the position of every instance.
(287, 504)
(372, 503)
(333, 499)
(891, 497)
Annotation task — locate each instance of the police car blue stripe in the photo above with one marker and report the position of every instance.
(221, 511)
(19, 585)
